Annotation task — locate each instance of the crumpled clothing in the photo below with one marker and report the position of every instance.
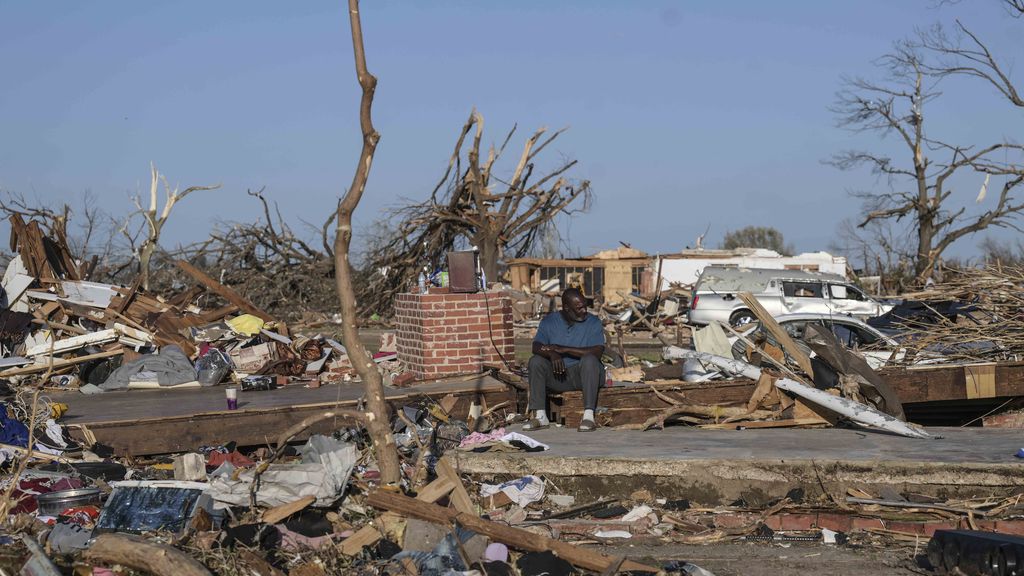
(68, 538)
(496, 552)
(525, 440)
(170, 364)
(55, 433)
(444, 560)
(236, 458)
(499, 441)
(491, 447)
(523, 491)
(27, 490)
(12, 431)
(295, 542)
(480, 438)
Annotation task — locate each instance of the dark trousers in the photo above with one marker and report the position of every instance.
(585, 375)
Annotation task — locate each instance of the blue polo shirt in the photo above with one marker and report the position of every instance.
(555, 330)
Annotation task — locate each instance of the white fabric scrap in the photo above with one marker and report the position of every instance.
(639, 513)
(523, 491)
(55, 433)
(323, 473)
(524, 439)
(613, 534)
(984, 189)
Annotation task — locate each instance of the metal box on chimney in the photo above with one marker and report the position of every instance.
(462, 275)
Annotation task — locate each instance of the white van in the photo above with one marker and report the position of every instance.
(780, 292)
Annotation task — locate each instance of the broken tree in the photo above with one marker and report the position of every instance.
(377, 421)
(466, 207)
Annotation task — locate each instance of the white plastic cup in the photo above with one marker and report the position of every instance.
(232, 398)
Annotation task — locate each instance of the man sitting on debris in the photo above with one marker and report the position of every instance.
(566, 356)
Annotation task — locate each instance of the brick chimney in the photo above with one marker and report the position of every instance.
(444, 334)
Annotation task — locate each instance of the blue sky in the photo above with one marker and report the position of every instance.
(684, 115)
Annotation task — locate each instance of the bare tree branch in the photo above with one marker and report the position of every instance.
(897, 107)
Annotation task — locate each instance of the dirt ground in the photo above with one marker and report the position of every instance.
(797, 559)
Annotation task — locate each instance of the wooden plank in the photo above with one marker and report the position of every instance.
(778, 332)
(935, 383)
(73, 343)
(223, 291)
(790, 423)
(460, 498)
(634, 404)
(279, 513)
(57, 363)
(618, 277)
(126, 299)
(256, 427)
(980, 381)
(369, 535)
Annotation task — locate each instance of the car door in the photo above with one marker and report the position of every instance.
(803, 296)
(875, 350)
(850, 300)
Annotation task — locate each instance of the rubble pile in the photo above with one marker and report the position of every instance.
(974, 315)
(316, 505)
(63, 333)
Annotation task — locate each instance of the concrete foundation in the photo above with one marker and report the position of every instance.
(720, 466)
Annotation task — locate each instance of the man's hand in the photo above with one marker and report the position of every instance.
(554, 354)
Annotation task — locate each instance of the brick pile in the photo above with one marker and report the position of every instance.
(443, 334)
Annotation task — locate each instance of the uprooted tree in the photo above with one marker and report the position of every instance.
(920, 183)
(503, 217)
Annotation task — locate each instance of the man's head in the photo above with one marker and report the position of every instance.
(574, 305)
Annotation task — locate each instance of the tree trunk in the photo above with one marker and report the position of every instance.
(145, 258)
(377, 421)
(489, 251)
(925, 236)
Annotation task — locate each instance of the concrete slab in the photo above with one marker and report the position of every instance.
(719, 466)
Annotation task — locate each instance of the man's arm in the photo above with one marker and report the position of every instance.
(546, 349)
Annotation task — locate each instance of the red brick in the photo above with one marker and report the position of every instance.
(860, 523)
(836, 522)
(798, 521)
(1010, 527)
(735, 519)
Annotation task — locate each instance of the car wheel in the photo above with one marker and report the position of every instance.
(742, 317)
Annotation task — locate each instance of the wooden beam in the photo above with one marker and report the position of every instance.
(515, 537)
(279, 513)
(135, 552)
(793, 422)
(250, 427)
(778, 332)
(935, 383)
(222, 290)
(369, 535)
(460, 498)
(58, 363)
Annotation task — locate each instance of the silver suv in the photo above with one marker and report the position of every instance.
(780, 292)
